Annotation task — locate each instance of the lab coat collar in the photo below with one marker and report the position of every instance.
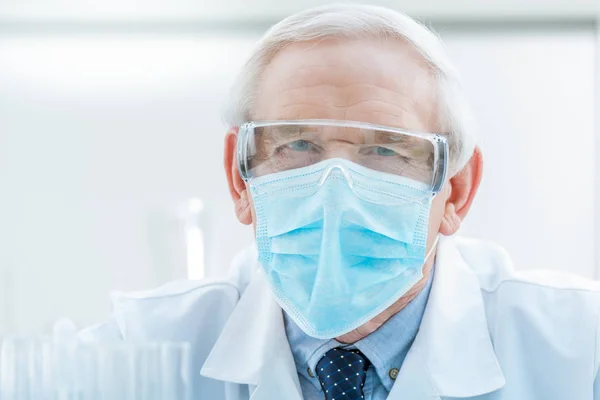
(452, 355)
(253, 348)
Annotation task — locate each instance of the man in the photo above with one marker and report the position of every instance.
(351, 151)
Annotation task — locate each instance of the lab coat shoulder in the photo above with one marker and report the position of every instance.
(552, 295)
(181, 310)
(540, 319)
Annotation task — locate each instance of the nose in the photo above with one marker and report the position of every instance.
(334, 169)
(343, 149)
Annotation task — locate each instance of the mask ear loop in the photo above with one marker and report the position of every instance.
(433, 247)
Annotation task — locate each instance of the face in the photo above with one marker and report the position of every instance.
(383, 82)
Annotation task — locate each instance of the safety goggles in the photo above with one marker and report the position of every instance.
(269, 147)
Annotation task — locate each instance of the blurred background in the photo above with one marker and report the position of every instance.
(111, 140)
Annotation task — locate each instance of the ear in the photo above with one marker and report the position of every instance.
(463, 187)
(237, 186)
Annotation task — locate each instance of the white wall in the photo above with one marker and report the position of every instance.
(534, 99)
(104, 139)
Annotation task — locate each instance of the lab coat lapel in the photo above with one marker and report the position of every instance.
(253, 348)
(452, 355)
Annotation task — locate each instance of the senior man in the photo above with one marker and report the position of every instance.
(351, 152)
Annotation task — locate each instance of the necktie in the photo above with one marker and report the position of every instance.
(342, 374)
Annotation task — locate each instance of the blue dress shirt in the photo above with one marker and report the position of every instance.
(385, 348)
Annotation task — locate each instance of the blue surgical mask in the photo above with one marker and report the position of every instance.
(338, 242)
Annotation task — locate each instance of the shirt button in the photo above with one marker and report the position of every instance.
(310, 373)
(393, 373)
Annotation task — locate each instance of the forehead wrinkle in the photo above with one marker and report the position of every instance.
(291, 79)
(372, 70)
(353, 94)
(396, 99)
(379, 102)
(404, 116)
(421, 85)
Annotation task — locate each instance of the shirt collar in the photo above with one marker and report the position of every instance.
(307, 350)
(385, 348)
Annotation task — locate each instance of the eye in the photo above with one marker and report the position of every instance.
(299, 145)
(385, 152)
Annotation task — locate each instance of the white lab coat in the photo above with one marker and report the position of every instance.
(488, 332)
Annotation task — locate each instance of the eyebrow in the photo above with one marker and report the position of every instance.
(396, 138)
(286, 132)
(278, 131)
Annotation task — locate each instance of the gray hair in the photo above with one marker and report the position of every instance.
(362, 22)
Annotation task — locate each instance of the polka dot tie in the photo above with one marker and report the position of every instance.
(342, 374)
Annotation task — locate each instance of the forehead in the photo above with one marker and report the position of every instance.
(384, 82)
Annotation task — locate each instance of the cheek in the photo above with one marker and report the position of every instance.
(436, 214)
(252, 211)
